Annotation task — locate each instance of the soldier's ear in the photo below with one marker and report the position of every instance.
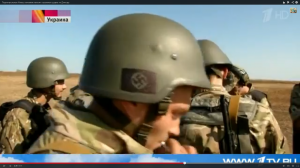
(225, 73)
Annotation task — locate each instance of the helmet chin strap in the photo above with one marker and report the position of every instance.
(141, 132)
(154, 111)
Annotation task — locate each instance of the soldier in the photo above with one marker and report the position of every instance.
(133, 62)
(46, 76)
(238, 82)
(256, 130)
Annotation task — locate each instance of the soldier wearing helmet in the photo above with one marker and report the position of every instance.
(46, 76)
(138, 70)
(202, 127)
(238, 83)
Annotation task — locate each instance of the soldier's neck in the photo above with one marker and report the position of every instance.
(134, 118)
(112, 114)
(216, 81)
(42, 99)
(244, 90)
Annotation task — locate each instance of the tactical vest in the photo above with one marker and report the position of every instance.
(75, 131)
(7, 106)
(38, 122)
(240, 113)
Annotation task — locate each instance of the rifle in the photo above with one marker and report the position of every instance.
(228, 146)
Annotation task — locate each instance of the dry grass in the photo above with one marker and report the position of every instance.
(13, 87)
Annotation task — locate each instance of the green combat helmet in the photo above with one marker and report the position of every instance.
(213, 55)
(43, 72)
(142, 58)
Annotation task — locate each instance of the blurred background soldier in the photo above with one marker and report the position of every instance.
(23, 120)
(238, 83)
(221, 123)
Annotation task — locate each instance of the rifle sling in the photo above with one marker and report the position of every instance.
(233, 110)
(240, 125)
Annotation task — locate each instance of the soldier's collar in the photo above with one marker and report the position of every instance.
(218, 88)
(112, 116)
(32, 94)
(47, 106)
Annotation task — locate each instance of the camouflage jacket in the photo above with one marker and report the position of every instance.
(204, 129)
(16, 126)
(264, 100)
(77, 130)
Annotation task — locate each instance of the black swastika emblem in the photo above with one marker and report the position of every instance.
(139, 80)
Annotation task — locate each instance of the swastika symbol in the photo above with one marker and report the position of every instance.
(139, 80)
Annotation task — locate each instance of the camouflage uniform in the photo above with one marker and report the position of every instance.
(203, 128)
(264, 100)
(117, 68)
(17, 123)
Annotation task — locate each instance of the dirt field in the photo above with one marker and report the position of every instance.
(12, 87)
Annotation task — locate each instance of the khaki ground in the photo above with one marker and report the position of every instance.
(12, 87)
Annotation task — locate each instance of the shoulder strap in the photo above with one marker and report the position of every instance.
(24, 104)
(258, 95)
(68, 147)
(233, 109)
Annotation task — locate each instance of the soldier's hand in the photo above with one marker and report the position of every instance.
(176, 148)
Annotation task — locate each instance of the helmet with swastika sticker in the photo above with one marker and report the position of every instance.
(142, 58)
